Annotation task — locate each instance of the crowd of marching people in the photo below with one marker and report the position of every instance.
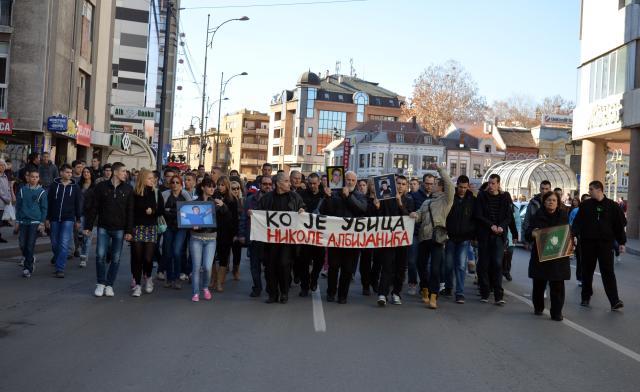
(457, 232)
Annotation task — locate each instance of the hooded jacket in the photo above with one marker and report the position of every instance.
(440, 203)
(65, 201)
(31, 205)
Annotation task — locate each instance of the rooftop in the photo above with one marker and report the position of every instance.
(517, 137)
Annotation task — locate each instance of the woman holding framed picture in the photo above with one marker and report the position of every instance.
(202, 243)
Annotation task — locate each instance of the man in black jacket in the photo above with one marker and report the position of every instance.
(600, 222)
(312, 197)
(112, 206)
(346, 202)
(63, 214)
(461, 230)
(278, 257)
(493, 213)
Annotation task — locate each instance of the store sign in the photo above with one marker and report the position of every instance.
(557, 119)
(121, 128)
(605, 116)
(345, 153)
(57, 123)
(133, 112)
(121, 141)
(72, 129)
(6, 126)
(84, 134)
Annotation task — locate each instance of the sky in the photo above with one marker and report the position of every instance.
(508, 46)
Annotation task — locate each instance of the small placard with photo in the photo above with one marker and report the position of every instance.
(385, 186)
(335, 176)
(199, 214)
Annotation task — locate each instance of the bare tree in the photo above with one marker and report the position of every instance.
(522, 111)
(444, 93)
(556, 105)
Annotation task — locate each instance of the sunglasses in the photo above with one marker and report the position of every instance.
(235, 189)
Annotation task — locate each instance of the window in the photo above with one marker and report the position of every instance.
(361, 100)
(377, 159)
(399, 137)
(309, 131)
(4, 77)
(309, 150)
(329, 123)
(428, 160)
(401, 161)
(327, 96)
(487, 148)
(311, 101)
(453, 169)
(87, 30)
(276, 133)
(428, 139)
(463, 168)
(606, 75)
(84, 97)
(300, 150)
(277, 116)
(476, 170)
(5, 12)
(340, 97)
(301, 133)
(364, 160)
(276, 150)
(376, 117)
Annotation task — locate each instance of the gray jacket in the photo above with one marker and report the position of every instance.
(48, 172)
(440, 204)
(534, 205)
(5, 191)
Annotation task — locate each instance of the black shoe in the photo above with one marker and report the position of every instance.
(366, 292)
(304, 293)
(59, 274)
(557, 317)
(445, 293)
(53, 260)
(3, 241)
(342, 301)
(537, 312)
(331, 298)
(271, 300)
(254, 293)
(76, 253)
(585, 303)
(618, 305)
(508, 277)
(284, 298)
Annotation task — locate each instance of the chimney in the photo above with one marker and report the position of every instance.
(340, 79)
(414, 122)
(461, 139)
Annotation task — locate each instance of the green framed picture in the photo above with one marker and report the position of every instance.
(553, 242)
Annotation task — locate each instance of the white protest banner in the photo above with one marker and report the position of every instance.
(330, 231)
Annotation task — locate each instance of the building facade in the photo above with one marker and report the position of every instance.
(517, 143)
(471, 149)
(186, 148)
(248, 142)
(608, 102)
(305, 120)
(383, 147)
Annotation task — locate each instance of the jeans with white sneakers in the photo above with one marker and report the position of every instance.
(202, 252)
(456, 265)
(109, 242)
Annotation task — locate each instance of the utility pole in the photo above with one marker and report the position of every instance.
(163, 94)
(219, 109)
(204, 92)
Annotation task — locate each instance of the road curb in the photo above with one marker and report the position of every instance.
(7, 254)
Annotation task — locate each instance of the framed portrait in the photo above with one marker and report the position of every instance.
(196, 214)
(385, 186)
(335, 177)
(553, 242)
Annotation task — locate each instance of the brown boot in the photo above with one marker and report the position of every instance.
(213, 283)
(432, 301)
(425, 295)
(222, 273)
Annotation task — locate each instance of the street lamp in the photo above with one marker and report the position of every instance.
(223, 87)
(207, 44)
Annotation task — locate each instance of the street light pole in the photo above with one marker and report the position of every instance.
(204, 92)
(223, 87)
(163, 91)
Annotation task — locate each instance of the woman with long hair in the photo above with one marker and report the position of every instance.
(147, 207)
(227, 219)
(86, 186)
(202, 244)
(236, 249)
(174, 238)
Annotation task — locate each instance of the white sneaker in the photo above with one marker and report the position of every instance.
(137, 291)
(161, 276)
(148, 286)
(83, 263)
(99, 290)
(395, 299)
(382, 300)
(108, 291)
(184, 277)
(412, 290)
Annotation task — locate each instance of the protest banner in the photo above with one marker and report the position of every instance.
(330, 231)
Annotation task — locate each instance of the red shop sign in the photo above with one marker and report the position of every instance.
(84, 134)
(6, 126)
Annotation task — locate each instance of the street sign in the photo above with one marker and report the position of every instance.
(133, 112)
(57, 123)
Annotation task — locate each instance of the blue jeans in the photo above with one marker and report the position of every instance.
(455, 265)
(86, 240)
(27, 239)
(172, 243)
(109, 242)
(255, 259)
(61, 233)
(413, 260)
(202, 252)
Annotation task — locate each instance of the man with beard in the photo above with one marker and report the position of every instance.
(346, 202)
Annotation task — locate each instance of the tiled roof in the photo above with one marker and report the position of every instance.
(388, 131)
(517, 137)
(452, 141)
(475, 129)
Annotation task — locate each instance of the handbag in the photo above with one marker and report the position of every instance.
(439, 236)
(162, 223)
(9, 213)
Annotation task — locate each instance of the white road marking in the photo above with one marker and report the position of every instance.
(595, 272)
(319, 323)
(609, 343)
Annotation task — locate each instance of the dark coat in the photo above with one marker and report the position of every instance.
(112, 207)
(227, 218)
(461, 224)
(294, 202)
(600, 220)
(151, 198)
(554, 270)
(483, 221)
(338, 205)
(65, 202)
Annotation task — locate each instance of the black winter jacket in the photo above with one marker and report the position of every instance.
(227, 218)
(294, 202)
(551, 270)
(113, 207)
(600, 220)
(150, 199)
(483, 220)
(461, 224)
(338, 205)
(65, 202)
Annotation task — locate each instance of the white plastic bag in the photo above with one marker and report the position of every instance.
(9, 213)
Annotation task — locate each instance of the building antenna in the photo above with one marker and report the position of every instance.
(352, 71)
(338, 63)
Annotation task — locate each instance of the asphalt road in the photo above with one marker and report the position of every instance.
(55, 336)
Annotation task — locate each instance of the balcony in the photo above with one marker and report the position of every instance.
(252, 161)
(253, 146)
(255, 131)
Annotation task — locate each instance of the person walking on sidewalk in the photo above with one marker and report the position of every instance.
(63, 214)
(599, 222)
(31, 212)
(5, 192)
(112, 206)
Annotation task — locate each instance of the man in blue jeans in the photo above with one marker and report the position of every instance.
(64, 212)
(419, 194)
(31, 211)
(461, 230)
(112, 206)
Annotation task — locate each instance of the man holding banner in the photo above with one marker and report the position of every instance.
(312, 197)
(347, 202)
(278, 257)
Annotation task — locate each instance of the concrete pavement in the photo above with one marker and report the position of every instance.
(55, 336)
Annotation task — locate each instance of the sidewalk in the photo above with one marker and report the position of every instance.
(11, 249)
(633, 247)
